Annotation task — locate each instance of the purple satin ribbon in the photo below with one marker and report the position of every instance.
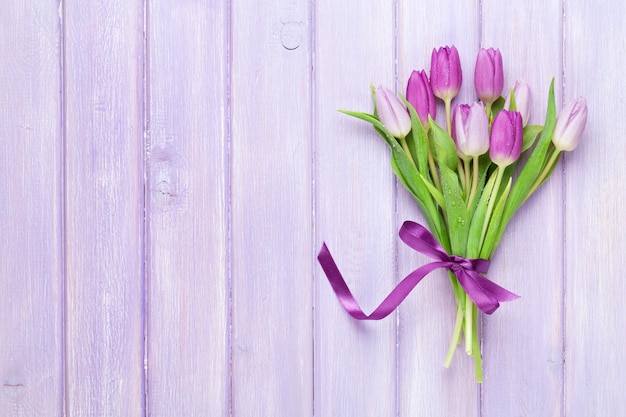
(484, 293)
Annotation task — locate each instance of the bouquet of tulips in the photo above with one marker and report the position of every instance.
(464, 178)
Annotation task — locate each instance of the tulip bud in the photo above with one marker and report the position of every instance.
(445, 72)
(420, 95)
(505, 142)
(570, 125)
(521, 93)
(392, 112)
(488, 76)
(470, 130)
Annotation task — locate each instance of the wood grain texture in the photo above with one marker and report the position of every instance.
(104, 208)
(355, 362)
(187, 346)
(272, 363)
(427, 316)
(520, 381)
(31, 253)
(595, 178)
(190, 286)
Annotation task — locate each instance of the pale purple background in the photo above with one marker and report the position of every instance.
(169, 169)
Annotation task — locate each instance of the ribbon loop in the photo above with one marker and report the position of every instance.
(486, 294)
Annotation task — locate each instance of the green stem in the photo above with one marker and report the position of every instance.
(478, 360)
(405, 147)
(456, 335)
(462, 176)
(467, 177)
(489, 114)
(448, 118)
(492, 201)
(474, 183)
(468, 324)
(433, 171)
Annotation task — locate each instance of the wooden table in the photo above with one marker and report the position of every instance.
(169, 170)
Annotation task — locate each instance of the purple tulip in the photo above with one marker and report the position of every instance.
(470, 130)
(505, 143)
(392, 112)
(488, 75)
(445, 72)
(420, 95)
(570, 125)
(521, 92)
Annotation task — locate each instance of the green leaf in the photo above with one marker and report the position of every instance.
(531, 170)
(374, 99)
(414, 183)
(437, 195)
(396, 170)
(551, 168)
(531, 132)
(512, 105)
(497, 106)
(427, 207)
(418, 140)
(551, 171)
(456, 211)
(444, 149)
(370, 118)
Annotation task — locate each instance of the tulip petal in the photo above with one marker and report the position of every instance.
(392, 112)
(570, 125)
(445, 72)
(505, 142)
(488, 75)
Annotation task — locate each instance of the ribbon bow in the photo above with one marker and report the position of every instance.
(484, 293)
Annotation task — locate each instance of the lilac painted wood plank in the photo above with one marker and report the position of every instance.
(427, 316)
(104, 208)
(523, 343)
(187, 346)
(31, 254)
(355, 362)
(271, 210)
(595, 233)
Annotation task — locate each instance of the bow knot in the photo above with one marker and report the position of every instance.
(483, 292)
(461, 262)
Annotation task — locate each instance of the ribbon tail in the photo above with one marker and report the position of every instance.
(388, 305)
(497, 291)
